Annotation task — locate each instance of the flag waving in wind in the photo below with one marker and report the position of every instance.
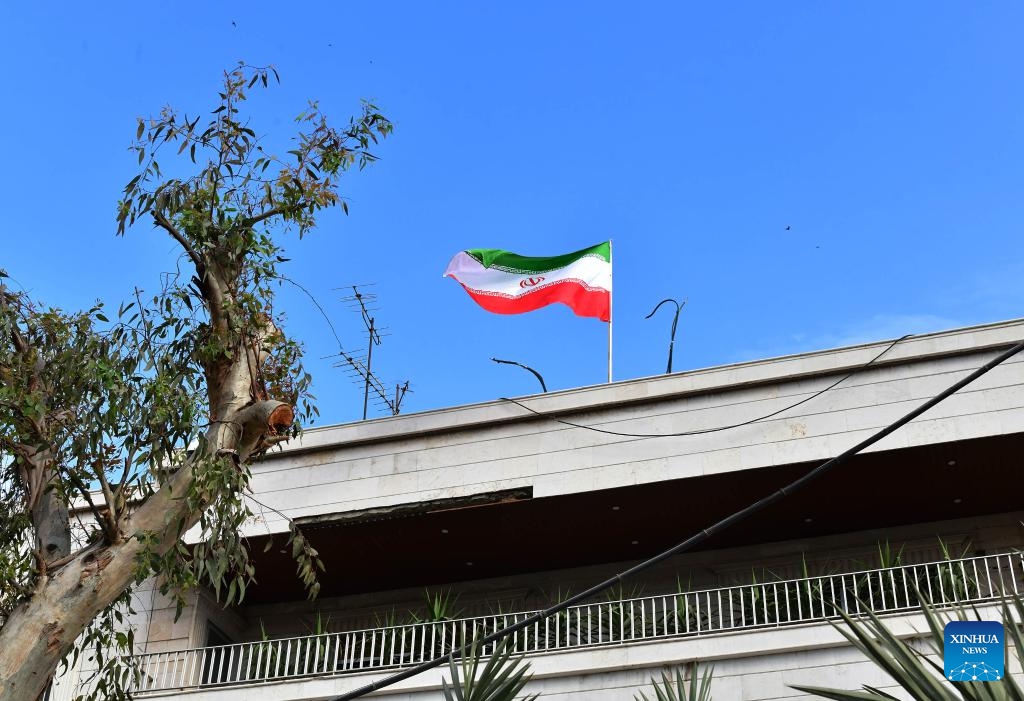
(507, 283)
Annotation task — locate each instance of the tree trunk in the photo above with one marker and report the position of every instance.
(44, 628)
(50, 512)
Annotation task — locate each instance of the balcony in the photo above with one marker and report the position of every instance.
(686, 614)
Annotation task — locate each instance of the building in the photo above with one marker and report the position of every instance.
(492, 510)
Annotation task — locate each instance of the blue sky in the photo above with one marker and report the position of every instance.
(886, 135)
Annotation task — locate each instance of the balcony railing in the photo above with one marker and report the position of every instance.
(759, 605)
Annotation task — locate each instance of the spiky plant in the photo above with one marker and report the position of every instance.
(679, 689)
(920, 676)
(501, 678)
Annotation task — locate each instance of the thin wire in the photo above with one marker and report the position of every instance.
(696, 539)
(309, 294)
(701, 431)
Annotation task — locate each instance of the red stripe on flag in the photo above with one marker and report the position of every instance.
(584, 301)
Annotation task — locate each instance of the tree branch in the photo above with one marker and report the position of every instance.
(96, 512)
(164, 223)
(259, 423)
(252, 221)
(112, 514)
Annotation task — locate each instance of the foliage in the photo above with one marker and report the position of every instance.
(500, 679)
(183, 388)
(681, 689)
(440, 607)
(113, 677)
(918, 674)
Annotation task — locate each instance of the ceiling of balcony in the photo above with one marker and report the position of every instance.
(442, 542)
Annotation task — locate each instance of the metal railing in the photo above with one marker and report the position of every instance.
(757, 605)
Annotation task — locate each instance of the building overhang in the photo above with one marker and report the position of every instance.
(511, 532)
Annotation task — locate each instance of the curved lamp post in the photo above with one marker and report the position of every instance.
(675, 322)
(524, 367)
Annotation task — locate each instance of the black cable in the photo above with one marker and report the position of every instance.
(285, 278)
(730, 520)
(700, 431)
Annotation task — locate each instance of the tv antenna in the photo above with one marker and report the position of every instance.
(359, 366)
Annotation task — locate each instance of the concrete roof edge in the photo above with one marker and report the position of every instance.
(960, 341)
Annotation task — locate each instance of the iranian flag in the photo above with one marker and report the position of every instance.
(508, 283)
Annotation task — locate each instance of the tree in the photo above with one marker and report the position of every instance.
(163, 409)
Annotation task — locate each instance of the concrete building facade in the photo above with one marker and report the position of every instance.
(496, 509)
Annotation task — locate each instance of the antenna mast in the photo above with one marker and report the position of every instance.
(360, 368)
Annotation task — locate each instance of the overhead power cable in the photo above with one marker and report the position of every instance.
(701, 431)
(697, 538)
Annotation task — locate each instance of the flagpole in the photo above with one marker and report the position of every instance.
(610, 314)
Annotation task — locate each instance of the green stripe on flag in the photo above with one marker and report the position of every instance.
(515, 263)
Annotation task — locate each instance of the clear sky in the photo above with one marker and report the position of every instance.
(886, 135)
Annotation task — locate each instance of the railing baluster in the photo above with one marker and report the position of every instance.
(149, 682)
(187, 663)
(999, 571)
(346, 662)
(152, 673)
(1013, 572)
(158, 673)
(775, 600)
(764, 602)
(175, 678)
(590, 623)
(743, 611)
(799, 602)
(220, 666)
(165, 663)
(942, 585)
(258, 667)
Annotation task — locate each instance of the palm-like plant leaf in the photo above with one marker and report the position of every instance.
(917, 674)
(679, 689)
(501, 678)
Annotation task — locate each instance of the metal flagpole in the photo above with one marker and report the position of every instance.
(610, 315)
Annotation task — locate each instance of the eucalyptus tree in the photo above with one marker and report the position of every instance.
(118, 435)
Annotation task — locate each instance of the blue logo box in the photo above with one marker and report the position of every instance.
(974, 651)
